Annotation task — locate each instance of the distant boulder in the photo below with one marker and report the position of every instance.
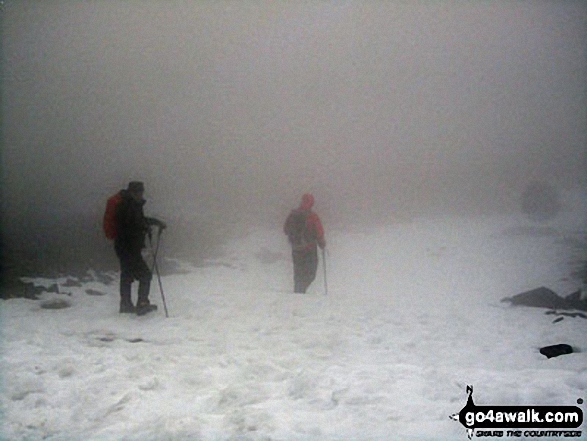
(56, 304)
(546, 298)
(72, 282)
(32, 291)
(95, 292)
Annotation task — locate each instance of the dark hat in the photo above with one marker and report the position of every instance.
(136, 186)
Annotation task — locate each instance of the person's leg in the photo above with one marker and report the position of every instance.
(298, 264)
(143, 274)
(310, 267)
(126, 279)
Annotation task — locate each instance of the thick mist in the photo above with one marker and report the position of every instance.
(229, 111)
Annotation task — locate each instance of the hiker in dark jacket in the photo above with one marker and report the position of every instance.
(305, 232)
(132, 226)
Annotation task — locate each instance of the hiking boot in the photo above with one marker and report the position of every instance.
(127, 308)
(145, 308)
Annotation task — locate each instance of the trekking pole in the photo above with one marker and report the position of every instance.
(156, 267)
(324, 265)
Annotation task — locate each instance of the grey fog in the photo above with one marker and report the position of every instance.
(230, 111)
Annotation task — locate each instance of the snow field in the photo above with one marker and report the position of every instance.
(413, 315)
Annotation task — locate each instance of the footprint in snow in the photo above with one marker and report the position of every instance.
(95, 338)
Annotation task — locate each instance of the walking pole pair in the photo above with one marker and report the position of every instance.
(156, 268)
(324, 265)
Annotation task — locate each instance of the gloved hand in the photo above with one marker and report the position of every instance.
(162, 225)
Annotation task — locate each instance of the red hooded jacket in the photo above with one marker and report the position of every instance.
(313, 223)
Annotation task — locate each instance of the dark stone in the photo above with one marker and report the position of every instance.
(94, 292)
(135, 340)
(55, 304)
(566, 314)
(540, 298)
(31, 291)
(72, 282)
(545, 298)
(556, 350)
(107, 339)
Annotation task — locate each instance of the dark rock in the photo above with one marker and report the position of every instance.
(545, 298)
(135, 340)
(55, 304)
(53, 288)
(94, 292)
(72, 282)
(31, 291)
(540, 298)
(566, 314)
(556, 350)
(107, 339)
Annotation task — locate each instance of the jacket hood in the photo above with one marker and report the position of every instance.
(307, 202)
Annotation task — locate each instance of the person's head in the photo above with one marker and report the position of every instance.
(307, 201)
(136, 189)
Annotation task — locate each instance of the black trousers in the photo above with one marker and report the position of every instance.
(305, 264)
(133, 267)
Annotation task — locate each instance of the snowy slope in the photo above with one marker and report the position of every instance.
(412, 316)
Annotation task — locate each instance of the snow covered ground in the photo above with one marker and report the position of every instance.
(412, 316)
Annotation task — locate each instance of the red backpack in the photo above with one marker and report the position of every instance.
(109, 223)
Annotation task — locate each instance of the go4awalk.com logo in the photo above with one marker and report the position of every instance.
(520, 421)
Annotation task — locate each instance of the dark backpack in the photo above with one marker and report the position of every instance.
(297, 229)
(109, 222)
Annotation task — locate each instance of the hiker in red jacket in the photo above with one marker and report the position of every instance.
(305, 233)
